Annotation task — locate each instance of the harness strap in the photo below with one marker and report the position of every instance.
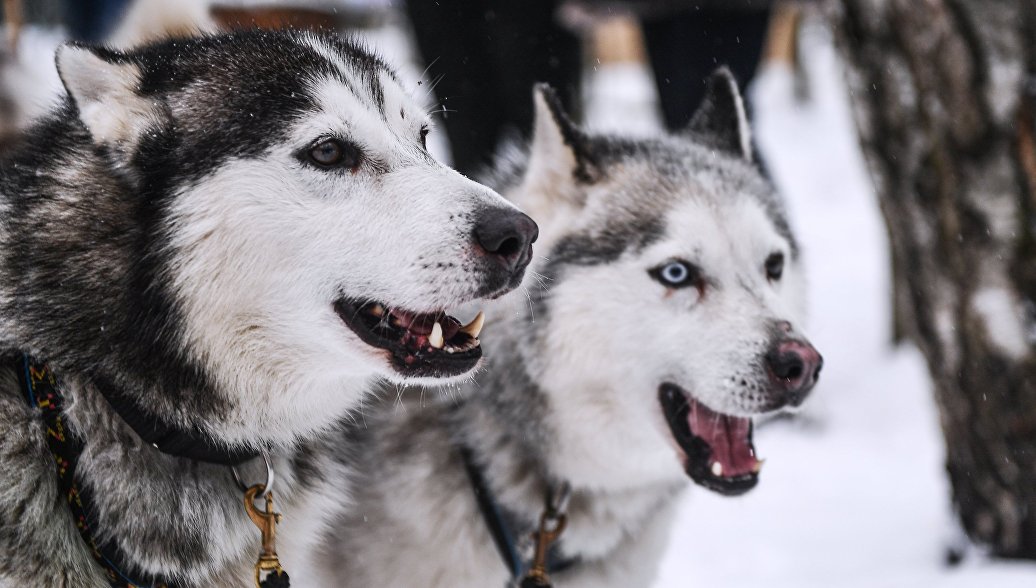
(42, 392)
(491, 514)
(502, 527)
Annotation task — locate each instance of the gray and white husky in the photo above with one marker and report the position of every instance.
(217, 245)
(664, 315)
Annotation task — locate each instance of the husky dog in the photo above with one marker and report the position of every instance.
(663, 317)
(217, 245)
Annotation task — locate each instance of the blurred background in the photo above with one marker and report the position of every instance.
(901, 134)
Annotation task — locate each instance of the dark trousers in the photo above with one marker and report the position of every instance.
(685, 48)
(91, 21)
(485, 56)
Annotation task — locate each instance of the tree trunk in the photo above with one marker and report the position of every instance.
(943, 94)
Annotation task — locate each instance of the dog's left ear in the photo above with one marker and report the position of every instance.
(720, 120)
(104, 85)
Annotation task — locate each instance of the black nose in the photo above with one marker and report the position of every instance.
(506, 236)
(795, 365)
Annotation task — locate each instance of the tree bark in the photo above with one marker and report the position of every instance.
(943, 95)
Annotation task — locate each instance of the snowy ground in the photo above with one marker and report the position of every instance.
(853, 494)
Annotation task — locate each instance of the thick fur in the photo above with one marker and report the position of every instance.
(570, 391)
(162, 231)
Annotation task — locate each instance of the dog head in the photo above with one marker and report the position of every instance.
(296, 237)
(671, 299)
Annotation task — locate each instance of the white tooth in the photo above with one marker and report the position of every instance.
(435, 339)
(717, 469)
(451, 349)
(758, 466)
(475, 326)
(377, 310)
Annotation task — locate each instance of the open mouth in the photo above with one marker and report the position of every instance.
(433, 345)
(718, 447)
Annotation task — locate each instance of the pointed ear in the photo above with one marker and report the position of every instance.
(104, 86)
(720, 120)
(559, 156)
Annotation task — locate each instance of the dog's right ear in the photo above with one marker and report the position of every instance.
(104, 85)
(720, 120)
(559, 155)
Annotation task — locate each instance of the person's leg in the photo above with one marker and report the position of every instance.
(686, 48)
(452, 38)
(528, 45)
(90, 21)
(489, 55)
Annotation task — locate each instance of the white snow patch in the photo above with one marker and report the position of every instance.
(1004, 320)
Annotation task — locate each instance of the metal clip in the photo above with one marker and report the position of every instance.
(551, 527)
(268, 563)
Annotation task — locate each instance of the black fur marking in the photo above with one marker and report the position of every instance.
(376, 92)
(588, 249)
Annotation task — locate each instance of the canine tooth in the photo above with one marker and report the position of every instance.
(475, 326)
(717, 469)
(435, 339)
(758, 466)
(377, 310)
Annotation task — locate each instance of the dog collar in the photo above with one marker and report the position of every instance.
(502, 527)
(42, 392)
(189, 443)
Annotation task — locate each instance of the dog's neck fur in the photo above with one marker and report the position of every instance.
(61, 239)
(506, 442)
(405, 523)
(133, 482)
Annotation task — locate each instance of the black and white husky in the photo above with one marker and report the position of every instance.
(665, 314)
(217, 245)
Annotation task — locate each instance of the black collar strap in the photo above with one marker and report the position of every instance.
(191, 443)
(502, 525)
(42, 392)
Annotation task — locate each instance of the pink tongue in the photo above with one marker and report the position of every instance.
(727, 436)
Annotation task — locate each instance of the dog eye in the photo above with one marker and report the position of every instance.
(677, 274)
(774, 266)
(335, 153)
(424, 137)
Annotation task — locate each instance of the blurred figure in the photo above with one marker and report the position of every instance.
(91, 21)
(485, 56)
(687, 40)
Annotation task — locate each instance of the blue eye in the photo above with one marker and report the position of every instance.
(677, 274)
